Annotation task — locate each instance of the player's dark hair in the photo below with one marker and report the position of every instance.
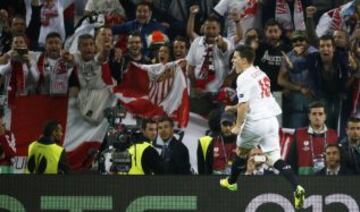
(246, 52)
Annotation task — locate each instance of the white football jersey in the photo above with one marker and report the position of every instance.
(253, 86)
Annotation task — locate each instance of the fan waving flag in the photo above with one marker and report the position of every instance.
(333, 19)
(154, 90)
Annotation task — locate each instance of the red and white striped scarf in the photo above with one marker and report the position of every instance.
(58, 69)
(208, 65)
(207, 70)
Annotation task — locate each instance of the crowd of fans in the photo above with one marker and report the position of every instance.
(315, 79)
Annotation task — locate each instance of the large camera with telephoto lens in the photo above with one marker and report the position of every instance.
(116, 159)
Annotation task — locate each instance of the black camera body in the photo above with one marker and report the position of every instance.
(119, 138)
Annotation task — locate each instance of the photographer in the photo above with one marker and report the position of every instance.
(144, 158)
(130, 153)
(20, 72)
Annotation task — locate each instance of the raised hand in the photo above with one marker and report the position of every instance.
(194, 9)
(310, 11)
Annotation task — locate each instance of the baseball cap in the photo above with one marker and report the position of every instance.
(298, 34)
(227, 117)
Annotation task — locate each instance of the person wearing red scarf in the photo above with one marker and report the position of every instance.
(54, 72)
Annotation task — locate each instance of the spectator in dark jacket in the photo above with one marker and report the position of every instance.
(174, 153)
(151, 162)
(330, 78)
(333, 165)
(351, 145)
(120, 61)
(142, 23)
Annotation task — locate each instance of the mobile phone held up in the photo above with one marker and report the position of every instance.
(21, 54)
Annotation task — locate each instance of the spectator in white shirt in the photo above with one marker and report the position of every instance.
(208, 59)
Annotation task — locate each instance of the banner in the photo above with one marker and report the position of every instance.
(155, 90)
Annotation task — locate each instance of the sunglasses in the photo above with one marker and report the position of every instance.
(298, 39)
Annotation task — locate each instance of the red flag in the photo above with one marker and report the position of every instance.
(28, 115)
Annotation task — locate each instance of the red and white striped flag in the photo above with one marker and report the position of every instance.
(153, 90)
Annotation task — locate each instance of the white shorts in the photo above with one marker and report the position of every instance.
(263, 133)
